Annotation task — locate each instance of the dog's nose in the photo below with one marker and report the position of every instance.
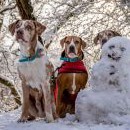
(104, 41)
(19, 32)
(71, 48)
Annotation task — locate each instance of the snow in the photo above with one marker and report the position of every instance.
(107, 100)
(8, 121)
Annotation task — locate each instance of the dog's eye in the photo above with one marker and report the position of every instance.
(17, 26)
(28, 27)
(122, 49)
(76, 42)
(111, 47)
(67, 42)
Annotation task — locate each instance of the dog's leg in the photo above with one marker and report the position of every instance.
(39, 104)
(52, 81)
(32, 109)
(53, 104)
(47, 99)
(25, 105)
(60, 105)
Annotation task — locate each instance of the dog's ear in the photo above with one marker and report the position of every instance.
(62, 42)
(63, 54)
(11, 27)
(115, 33)
(83, 43)
(96, 39)
(39, 28)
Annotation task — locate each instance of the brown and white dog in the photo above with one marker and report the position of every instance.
(34, 71)
(103, 36)
(70, 83)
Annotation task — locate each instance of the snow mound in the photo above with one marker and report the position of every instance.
(108, 100)
(8, 121)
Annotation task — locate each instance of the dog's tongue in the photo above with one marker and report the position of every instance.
(72, 55)
(20, 38)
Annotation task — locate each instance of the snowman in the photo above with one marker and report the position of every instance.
(108, 98)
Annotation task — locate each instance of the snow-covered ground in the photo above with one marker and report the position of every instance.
(8, 121)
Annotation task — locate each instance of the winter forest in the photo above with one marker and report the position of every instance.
(104, 104)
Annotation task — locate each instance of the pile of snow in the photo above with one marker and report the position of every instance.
(108, 100)
(8, 121)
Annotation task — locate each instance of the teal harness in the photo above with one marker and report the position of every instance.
(29, 59)
(70, 59)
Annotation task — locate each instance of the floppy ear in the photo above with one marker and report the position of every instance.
(83, 44)
(63, 54)
(96, 39)
(39, 28)
(62, 42)
(116, 34)
(12, 27)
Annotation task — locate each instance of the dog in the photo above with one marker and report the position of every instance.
(103, 36)
(34, 71)
(71, 79)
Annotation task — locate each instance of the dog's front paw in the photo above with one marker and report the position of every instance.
(22, 119)
(49, 119)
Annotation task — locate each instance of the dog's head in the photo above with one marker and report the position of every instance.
(72, 46)
(25, 31)
(104, 36)
(116, 48)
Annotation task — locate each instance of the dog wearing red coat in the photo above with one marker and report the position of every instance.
(72, 75)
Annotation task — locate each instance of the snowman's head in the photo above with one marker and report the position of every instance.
(116, 48)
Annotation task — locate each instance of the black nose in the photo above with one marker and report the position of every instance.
(104, 41)
(72, 49)
(19, 32)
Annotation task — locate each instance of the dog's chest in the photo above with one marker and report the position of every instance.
(34, 72)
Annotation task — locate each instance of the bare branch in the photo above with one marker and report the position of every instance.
(11, 86)
(10, 7)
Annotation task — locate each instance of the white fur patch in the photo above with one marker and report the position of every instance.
(34, 71)
(73, 85)
(72, 55)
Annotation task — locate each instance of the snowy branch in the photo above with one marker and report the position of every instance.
(10, 7)
(10, 85)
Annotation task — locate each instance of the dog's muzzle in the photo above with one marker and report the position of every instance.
(19, 33)
(72, 49)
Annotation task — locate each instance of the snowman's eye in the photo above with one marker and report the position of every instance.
(122, 49)
(111, 47)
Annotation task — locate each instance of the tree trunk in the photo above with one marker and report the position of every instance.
(25, 9)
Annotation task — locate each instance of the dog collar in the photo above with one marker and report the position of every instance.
(29, 59)
(70, 59)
